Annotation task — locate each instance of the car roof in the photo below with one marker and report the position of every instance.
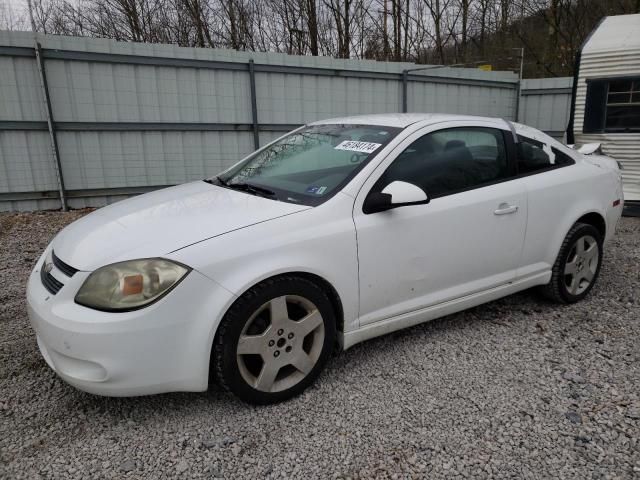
(403, 120)
(400, 120)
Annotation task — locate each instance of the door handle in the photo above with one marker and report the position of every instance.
(505, 208)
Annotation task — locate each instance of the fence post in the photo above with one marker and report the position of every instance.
(405, 80)
(516, 114)
(519, 87)
(254, 105)
(51, 126)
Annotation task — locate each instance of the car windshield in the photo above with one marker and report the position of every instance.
(309, 165)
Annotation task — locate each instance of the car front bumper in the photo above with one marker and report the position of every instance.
(161, 348)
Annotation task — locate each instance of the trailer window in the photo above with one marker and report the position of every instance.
(623, 104)
(612, 105)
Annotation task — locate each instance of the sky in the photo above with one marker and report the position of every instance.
(17, 4)
(11, 11)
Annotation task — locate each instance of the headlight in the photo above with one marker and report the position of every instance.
(130, 285)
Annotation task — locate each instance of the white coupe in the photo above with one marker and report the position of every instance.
(337, 232)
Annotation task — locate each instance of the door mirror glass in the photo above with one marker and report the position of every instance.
(396, 194)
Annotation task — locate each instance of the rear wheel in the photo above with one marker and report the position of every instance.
(578, 265)
(274, 340)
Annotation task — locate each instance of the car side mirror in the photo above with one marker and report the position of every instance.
(396, 194)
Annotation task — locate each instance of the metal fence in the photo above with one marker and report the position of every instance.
(545, 104)
(92, 120)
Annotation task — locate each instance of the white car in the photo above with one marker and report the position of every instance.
(339, 231)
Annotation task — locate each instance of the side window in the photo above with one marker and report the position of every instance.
(534, 156)
(562, 159)
(451, 160)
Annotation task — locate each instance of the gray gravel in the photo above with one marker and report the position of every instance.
(518, 388)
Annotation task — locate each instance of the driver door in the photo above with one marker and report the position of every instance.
(467, 239)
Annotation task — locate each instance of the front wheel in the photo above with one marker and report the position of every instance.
(578, 265)
(274, 340)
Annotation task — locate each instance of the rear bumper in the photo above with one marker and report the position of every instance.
(164, 347)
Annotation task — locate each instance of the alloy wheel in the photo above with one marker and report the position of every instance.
(280, 343)
(581, 265)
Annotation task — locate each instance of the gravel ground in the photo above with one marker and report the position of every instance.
(518, 388)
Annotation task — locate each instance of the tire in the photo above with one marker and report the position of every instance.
(285, 325)
(577, 266)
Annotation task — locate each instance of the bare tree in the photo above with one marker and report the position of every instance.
(340, 11)
(429, 31)
(311, 15)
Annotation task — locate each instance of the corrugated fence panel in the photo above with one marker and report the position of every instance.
(102, 92)
(462, 99)
(545, 104)
(132, 159)
(298, 99)
(25, 162)
(20, 92)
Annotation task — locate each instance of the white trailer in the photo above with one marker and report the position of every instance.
(605, 107)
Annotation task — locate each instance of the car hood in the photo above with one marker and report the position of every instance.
(161, 222)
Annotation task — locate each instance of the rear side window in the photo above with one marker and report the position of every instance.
(450, 161)
(534, 156)
(562, 159)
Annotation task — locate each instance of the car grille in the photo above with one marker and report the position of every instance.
(51, 283)
(68, 270)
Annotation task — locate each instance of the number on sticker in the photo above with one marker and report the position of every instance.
(355, 146)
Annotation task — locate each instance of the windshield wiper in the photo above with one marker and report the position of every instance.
(249, 188)
(245, 187)
(222, 181)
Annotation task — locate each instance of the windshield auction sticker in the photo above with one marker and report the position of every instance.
(355, 146)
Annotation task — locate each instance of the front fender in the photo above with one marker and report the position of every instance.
(320, 241)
